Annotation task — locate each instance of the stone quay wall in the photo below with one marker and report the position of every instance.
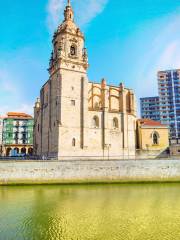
(60, 172)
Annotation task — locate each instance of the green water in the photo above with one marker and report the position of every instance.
(102, 212)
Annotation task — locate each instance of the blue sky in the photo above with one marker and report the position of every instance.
(127, 41)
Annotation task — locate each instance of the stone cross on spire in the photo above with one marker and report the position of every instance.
(69, 3)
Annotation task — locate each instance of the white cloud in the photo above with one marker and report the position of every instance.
(85, 11)
(55, 10)
(163, 53)
(170, 57)
(89, 9)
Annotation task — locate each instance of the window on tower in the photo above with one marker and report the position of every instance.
(73, 102)
(73, 50)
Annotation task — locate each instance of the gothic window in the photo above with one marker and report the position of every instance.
(96, 105)
(155, 138)
(74, 142)
(46, 100)
(115, 123)
(95, 122)
(73, 50)
(73, 102)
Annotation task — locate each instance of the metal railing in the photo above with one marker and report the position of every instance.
(91, 158)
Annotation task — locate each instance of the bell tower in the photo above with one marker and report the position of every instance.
(68, 87)
(68, 45)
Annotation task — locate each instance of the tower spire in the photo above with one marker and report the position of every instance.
(68, 12)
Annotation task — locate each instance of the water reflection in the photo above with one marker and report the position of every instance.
(111, 212)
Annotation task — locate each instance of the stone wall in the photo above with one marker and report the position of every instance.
(89, 171)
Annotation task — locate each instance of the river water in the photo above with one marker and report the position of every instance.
(90, 212)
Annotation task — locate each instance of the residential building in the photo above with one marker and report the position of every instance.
(152, 137)
(76, 118)
(149, 107)
(169, 100)
(1, 133)
(17, 134)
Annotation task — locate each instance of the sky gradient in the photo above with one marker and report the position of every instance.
(127, 41)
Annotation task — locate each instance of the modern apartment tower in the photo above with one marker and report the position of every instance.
(169, 100)
(150, 108)
(1, 133)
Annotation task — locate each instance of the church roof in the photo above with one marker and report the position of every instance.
(145, 122)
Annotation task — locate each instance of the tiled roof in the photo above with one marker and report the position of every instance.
(150, 122)
(18, 115)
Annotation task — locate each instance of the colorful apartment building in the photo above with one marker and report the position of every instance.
(169, 100)
(166, 107)
(17, 134)
(1, 131)
(149, 107)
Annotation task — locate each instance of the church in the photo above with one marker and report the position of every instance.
(76, 118)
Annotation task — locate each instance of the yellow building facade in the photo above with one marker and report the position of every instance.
(152, 136)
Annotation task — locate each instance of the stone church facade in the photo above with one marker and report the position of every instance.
(76, 118)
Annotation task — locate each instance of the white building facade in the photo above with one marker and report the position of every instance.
(75, 118)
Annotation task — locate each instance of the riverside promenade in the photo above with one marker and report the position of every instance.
(88, 171)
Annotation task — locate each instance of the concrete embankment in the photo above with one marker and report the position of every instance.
(49, 172)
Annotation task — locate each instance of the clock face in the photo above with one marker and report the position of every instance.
(73, 51)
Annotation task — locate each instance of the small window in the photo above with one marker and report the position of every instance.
(155, 137)
(74, 142)
(95, 122)
(115, 123)
(46, 98)
(73, 103)
(73, 50)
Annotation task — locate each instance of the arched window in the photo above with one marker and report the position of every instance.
(96, 105)
(73, 50)
(46, 98)
(155, 138)
(115, 123)
(8, 152)
(16, 151)
(74, 142)
(30, 151)
(23, 150)
(95, 122)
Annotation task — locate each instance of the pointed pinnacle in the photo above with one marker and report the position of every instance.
(69, 3)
